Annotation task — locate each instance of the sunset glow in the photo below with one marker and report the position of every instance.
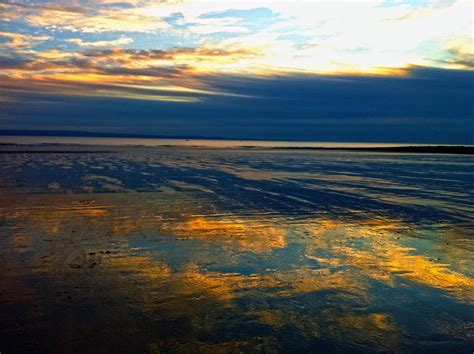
(100, 47)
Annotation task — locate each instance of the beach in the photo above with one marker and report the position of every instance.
(109, 248)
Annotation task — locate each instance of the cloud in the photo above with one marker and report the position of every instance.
(170, 75)
(123, 41)
(18, 41)
(51, 6)
(86, 18)
(311, 36)
(460, 54)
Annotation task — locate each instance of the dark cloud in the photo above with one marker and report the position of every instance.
(426, 106)
(158, 71)
(13, 62)
(461, 58)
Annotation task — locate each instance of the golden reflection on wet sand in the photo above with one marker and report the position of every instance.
(246, 235)
(95, 241)
(385, 259)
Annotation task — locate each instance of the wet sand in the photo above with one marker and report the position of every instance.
(204, 250)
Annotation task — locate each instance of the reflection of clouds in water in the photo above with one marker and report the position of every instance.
(190, 186)
(345, 251)
(387, 261)
(245, 234)
(208, 298)
(54, 186)
(105, 182)
(383, 257)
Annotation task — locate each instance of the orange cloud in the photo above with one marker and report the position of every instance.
(171, 75)
(17, 41)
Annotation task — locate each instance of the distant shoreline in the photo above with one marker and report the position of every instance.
(435, 149)
(85, 134)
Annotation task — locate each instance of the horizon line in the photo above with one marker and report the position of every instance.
(89, 134)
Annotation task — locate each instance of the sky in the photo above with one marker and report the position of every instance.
(371, 71)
